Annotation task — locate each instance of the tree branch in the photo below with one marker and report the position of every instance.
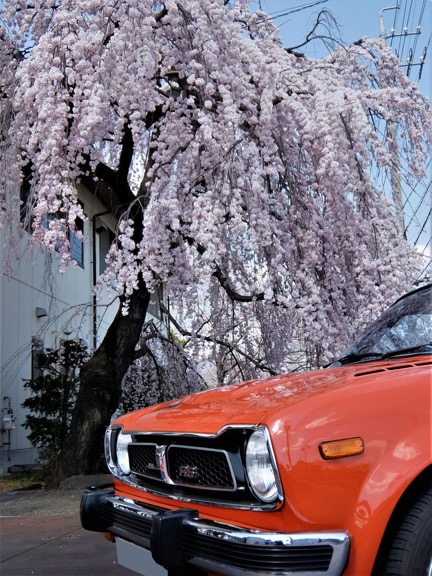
(223, 279)
(233, 349)
(324, 16)
(231, 292)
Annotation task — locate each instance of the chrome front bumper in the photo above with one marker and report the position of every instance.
(181, 538)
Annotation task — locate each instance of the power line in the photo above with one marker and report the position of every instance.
(410, 27)
(405, 39)
(283, 13)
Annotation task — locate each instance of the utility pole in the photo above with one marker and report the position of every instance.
(396, 169)
(404, 34)
(395, 178)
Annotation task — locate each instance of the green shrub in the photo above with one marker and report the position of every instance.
(53, 395)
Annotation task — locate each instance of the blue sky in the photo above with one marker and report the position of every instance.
(357, 18)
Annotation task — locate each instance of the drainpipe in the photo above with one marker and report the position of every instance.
(94, 314)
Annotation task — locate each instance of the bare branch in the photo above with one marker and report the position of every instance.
(231, 347)
(324, 18)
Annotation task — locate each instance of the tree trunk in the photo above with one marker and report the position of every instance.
(99, 393)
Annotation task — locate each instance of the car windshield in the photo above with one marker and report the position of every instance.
(404, 329)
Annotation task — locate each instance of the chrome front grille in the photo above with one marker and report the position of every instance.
(207, 469)
(203, 468)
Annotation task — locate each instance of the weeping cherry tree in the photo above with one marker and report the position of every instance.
(243, 168)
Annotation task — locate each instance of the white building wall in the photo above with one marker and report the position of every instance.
(34, 282)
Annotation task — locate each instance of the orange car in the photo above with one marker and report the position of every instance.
(321, 473)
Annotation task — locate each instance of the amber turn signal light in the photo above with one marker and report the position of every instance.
(341, 448)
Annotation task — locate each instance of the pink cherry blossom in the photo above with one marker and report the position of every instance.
(249, 191)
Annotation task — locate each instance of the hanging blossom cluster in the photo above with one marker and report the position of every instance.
(254, 163)
(164, 374)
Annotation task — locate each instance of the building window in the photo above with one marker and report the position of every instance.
(106, 238)
(24, 197)
(155, 299)
(76, 245)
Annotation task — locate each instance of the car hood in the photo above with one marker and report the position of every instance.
(252, 402)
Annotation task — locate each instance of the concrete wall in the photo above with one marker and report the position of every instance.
(32, 288)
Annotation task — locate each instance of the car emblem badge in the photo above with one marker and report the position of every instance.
(186, 471)
(158, 463)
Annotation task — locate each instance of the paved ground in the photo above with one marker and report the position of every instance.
(41, 535)
(54, 546)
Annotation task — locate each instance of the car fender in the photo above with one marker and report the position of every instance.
(370, 484)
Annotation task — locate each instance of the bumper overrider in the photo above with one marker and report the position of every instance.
(181, 538)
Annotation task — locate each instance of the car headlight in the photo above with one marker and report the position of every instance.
(109, 452)
(260, 467)
(122, 455)
(116, 451)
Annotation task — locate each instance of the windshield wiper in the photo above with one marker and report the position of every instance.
(354, 357)
(370, 356)
(411, 350)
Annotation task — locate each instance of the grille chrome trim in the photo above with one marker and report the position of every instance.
(254, 506)
(209, 435)
(161, 461)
